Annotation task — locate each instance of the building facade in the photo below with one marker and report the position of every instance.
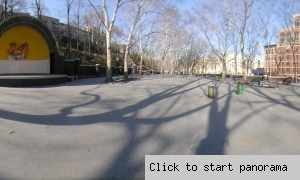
(282, 58)
(234, 66)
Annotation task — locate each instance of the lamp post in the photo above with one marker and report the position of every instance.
(117, 68)
(296, 68)
(151, 65)
(296, 59)
(280, 60)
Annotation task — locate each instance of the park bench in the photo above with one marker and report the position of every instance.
(251, 80)
(266, 83)
(255, 80)
(287, 81)
(276, 81)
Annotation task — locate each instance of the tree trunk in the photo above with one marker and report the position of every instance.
(236, 66)
(5, 9)
(244, 69)
(78, 28)
(162, 67)
(126, 63)
(141, 64)
(223, 69)
(108, 63)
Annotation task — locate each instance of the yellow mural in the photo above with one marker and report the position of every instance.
(23, 43)
(17, 52)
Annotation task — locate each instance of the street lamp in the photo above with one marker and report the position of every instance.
(296, 68)
(295, 58)
(117, 68)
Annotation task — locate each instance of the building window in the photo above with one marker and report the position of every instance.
(281, 39)
(288, 36)
(297, 21)
(296, 38)
(287, 63)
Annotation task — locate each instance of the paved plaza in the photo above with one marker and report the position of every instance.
(87, 129)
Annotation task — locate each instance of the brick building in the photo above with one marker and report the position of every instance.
(282, 58)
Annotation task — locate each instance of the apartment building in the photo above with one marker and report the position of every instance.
(233, 66)
(283, 58)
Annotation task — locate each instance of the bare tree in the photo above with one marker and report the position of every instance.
(68, 4)
(144, 42)
(108, 25)
(201, 53)
(4, 9)
(89, 20)
(78, 20)
(236, 53)
(194, 50)
(11, 6)
(203, 63)
(177, 53)
(135, 11)
(40, 8)
(216, 26)
(197, 53)
(148, 27)
(16, 5)
(170, 27)
(251, 26)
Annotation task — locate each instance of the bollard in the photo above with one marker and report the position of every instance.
(97, 69)
(239, 89)
(211, 91)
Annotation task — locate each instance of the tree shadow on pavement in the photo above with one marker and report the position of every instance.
(125, 164)
(276, 96)
(217, 132)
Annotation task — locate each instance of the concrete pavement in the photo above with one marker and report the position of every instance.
(86, 129)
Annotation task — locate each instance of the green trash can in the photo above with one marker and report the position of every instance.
(211, 91)
(240, 89)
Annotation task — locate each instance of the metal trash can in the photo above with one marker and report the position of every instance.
(211, 91)
(240, 89)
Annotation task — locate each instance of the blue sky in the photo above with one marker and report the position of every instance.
(57, 8)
